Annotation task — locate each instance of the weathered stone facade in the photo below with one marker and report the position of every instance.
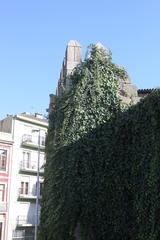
(73, 57)
(128, 92)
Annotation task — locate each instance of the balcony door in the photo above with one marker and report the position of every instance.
(24, 188)
(26, 159)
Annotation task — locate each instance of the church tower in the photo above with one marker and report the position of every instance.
(73, 57)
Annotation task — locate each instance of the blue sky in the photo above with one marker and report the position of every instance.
(34, 34)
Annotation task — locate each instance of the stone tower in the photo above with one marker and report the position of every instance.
(73, 57)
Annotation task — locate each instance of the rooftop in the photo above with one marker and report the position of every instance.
(73, 43)
(36, 116)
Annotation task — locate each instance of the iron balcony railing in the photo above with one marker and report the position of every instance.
(33, 140)
(23, 234)
(30, 166)
(2, 168)
(23, 220)
(24, 193)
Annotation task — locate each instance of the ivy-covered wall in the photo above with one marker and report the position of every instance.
(102, 170)
(130, 181)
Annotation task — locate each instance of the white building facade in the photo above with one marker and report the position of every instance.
(28, 159)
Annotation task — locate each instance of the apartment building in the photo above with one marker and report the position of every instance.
(28, 159)
(5, 171)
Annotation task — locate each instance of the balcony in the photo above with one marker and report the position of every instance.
(32, 142)
(24, 221)
(31, 167)
(23, 234)
(3, 207)
(25, 195)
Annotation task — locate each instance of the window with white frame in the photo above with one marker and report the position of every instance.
(2, 192)
(26, 159)
(3, 159)
(24, 188)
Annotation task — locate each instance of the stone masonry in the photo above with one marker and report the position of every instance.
(73, 57)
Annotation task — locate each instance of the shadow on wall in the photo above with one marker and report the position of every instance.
(100, 179)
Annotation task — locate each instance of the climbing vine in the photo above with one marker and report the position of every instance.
(92, 101)
(101, 176)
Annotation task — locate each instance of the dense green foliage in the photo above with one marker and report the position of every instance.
(102, 171)
(93, 100)
(131, 156)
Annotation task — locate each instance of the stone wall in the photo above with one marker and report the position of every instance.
(73, 57)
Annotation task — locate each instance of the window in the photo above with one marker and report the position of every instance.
(3, 159)
(2, 191)
(26, 159)
(27, 138)
(42, 140)
(24, 188)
